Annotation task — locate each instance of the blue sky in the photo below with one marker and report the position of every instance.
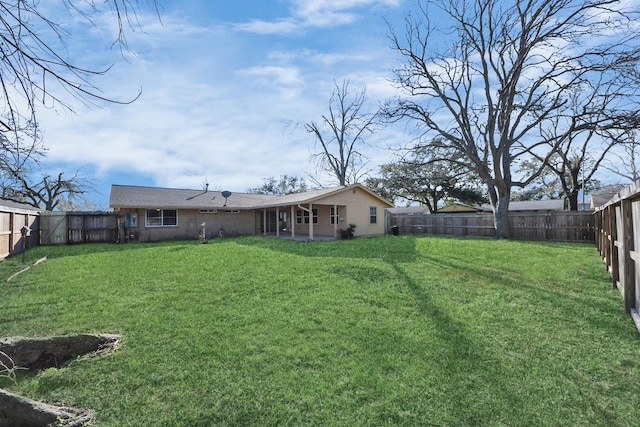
(224, 84)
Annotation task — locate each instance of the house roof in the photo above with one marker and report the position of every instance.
(535, 205)
(127, 196)
(601, 199)
(15, 205)
(459, 207)
(410, 210)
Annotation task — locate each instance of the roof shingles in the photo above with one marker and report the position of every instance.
(128, 196)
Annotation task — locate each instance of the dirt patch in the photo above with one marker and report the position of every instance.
(18, 411)
(43, 353)
(52, 352)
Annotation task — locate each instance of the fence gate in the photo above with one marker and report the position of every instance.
(59, 228)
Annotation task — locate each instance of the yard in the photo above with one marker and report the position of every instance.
(367, 332)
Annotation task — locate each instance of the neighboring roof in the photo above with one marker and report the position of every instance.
(128, 196)
(458, 207)
(15, 205)
(410, 210)
(600, 199)
(532, 205)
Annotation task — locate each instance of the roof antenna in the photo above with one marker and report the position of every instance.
(226, 194)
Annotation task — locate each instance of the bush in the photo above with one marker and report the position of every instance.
(348, 233)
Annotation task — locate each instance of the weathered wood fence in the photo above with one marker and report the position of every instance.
(551, 226)
(61, 228)
(12, 219)
(618, 240)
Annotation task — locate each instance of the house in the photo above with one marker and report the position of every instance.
(154, 214)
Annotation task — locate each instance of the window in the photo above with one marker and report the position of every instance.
(303, 216)
(232, 211)
(208, 211)
(373, 215)
(335, 215)
(161, 218)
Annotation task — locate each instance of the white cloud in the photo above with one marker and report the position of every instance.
(216, 104)
(314, 14)
(321, 13)
(281, 26)
(279, 75)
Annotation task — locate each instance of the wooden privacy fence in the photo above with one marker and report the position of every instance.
(618, 240)
(552, 226)
(59, 228)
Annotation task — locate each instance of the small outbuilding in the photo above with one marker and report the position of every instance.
(18, 227)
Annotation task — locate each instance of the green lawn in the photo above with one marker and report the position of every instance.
(369, 332)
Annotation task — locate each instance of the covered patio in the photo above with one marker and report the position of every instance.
(302, 221)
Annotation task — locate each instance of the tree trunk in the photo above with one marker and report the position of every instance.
(501, 216)
(573, 201)
(575, 188)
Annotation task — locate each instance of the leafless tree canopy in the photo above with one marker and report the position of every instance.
(36, 69)
(34, 63)
(625, 162)
(492, 77)
(48, 193)
(341, 134)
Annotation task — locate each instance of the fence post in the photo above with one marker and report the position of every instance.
(614, 264)
(628, 275)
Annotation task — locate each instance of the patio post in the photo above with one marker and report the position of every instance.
(310, 221)
(293, 222)
(264, 221)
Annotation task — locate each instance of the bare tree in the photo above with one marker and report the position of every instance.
(46, 191)
(33, 67)
(509, 73)
(428, 175)
(563, 178)
(625, 162)
(35, 70)
(283, 185)
(580, 153)
(341, 134)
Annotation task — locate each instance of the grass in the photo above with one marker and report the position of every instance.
(371, 332)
